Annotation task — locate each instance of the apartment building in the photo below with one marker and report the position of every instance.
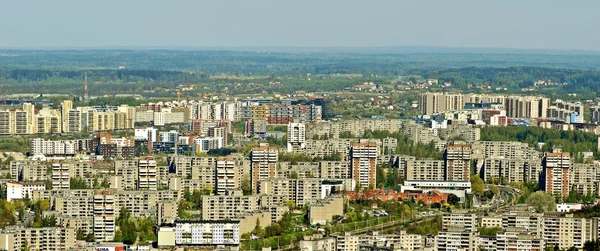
(104, 215)
(318, 242)
(296, 136)
(466, 221)
(335, 170)
(28, 170)
(201, 234)
(582, 177)
(61, 176)
(147, 178)
(201, 169)
(457, 161)
(424, 169)
(229, 205)
(167, 212)
(516, 240)
(566, 230)
(363, 158)
(22, 190)
(263, 164)
(377, 241)
(333, 129)
(323, 211)
(300, 191)
(37, 239)
(562, 109)
(526, 106)
(47, 121)
(256, 128)
(555, 172)
(300, 170)
(457, 238)
(126, 175)
(529, 222)
(227, 174)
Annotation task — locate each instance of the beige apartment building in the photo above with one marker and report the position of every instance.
(147, 179)
(263, 165)
(104, 215)
(229, 205)
(37, 239)
(425, 169)
(300, 191)
(323, 211)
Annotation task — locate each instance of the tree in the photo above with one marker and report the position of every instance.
(477, 184)
(124, 216)
(25, 246)
(90, 237)
(542, 202)
(49, 221)
(246, 185)
(453, 199)
(591, 246)
(80, 235)
(291, 205)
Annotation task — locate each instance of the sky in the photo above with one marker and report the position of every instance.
(520, 24)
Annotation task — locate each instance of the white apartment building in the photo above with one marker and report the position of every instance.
(296, 134)
(22, 190)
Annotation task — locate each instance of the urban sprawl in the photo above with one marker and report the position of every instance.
(252, 174)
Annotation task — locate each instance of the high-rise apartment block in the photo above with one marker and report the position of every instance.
(363, 160)
(555, 172)
(263, 164)
(296, 134)
(104, 215)
(457, 158)
(147, 178)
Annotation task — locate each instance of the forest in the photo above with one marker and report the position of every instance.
(157, 72)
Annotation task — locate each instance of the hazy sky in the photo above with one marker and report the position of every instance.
(549, 24)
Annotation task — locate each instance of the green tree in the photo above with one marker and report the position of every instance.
(477, 185)
(542, 202)
(246, 185)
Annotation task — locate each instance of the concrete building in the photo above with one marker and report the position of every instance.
(425, 169)
(457, 238)
(61, 175)
(104, 215)
(22, 190)
(147, 178)
(229, 205)
(318, 242)
(227, 174)
(300, 191)
(323, 211)
(457, 160)
(263, 164)
(363, 158)
(555, 172)
(296, 136)
(566, 231)
(582, 178)
(37, 239)
(467, 221)
(200, 234)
